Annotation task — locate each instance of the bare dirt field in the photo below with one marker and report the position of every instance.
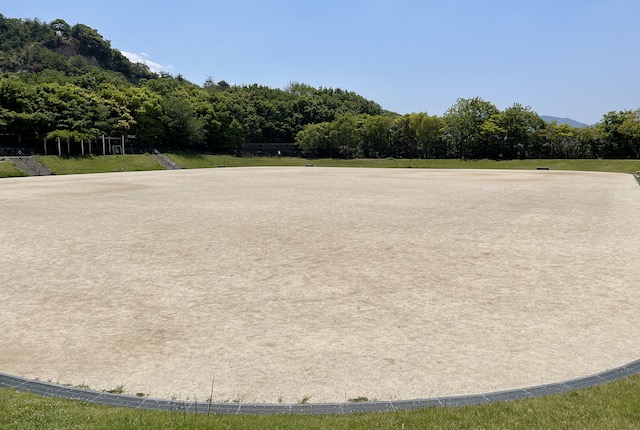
(328, 283)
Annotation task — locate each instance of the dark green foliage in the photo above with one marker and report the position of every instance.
(472, 129)
(34, 46)
(275, 115)
(512, 133)
(182, 128)
(463, 127)
(67, 82)
(314, 141)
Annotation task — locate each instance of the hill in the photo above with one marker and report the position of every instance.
(64, 83)
(61, 81)
(35, 46)
(568, 121)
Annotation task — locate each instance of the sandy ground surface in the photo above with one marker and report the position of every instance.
(333, 284)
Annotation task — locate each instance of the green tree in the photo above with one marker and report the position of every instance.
(313, 141)
(344, 134)
(181, 126)
(75, 109)
(555, 141)
(630, 131)
(463, 127)
(429, 135)
(375, 137)
(616, 142)
(511, 133)
(233, 136)
(17, 108)
(92, 44)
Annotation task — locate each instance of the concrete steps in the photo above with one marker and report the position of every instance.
(165, 161)
(30, 165)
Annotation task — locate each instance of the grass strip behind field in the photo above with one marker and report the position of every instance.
(615, 405)
(99, 164)
(206, 161)
(128, 163)
(9, 170)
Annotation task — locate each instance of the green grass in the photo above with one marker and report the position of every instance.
(9, 170)
(120, 163)
(204, 161)
(612, 406)
(197, 161)
(99, 164)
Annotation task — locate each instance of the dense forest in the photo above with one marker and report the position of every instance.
(59, 81)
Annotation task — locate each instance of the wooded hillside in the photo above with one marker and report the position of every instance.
(61, 81)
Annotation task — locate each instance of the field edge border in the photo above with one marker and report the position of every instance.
(48, 389)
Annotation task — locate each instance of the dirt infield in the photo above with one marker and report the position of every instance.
(328, 283)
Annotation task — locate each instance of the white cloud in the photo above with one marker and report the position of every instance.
(144, 59)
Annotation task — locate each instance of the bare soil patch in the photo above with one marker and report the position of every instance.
(285, 283)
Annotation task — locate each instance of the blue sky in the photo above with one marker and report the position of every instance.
(565, 58)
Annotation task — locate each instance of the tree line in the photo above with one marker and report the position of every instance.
(66, 82)
(63, 81)
(165, 112)
(471, 129)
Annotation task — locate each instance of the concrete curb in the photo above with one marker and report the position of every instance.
(97, 397)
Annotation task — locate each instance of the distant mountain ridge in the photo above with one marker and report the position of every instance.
(569, 121)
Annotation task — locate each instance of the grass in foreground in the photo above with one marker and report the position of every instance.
(9, 170)
(99, 164)
(612, 406)
(205, 161)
